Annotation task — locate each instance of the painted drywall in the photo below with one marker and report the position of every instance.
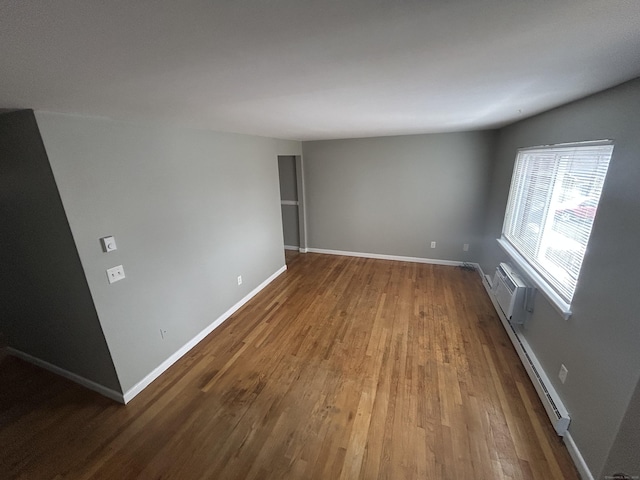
(302, 206)
(190, 210)
(287, 175)
(46, 309)
(599, 343)
(394, 195)
(289, 191)
(290, 225)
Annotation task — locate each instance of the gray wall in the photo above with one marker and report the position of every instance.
(394, 195)
(190, 211)
(289, 191)
(599, 343)
(290, 225)
(46, 309)
(287, 175)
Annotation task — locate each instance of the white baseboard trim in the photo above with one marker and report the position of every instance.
(90, 384)
(434, 261)
(303, 250)
(160, 369)
(577, 458)
(291, 247)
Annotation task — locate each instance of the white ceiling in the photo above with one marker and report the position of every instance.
(314, 69)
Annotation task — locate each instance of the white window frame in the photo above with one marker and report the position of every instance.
(537, 277)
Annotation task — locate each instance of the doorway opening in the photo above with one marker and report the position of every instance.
(292, 205)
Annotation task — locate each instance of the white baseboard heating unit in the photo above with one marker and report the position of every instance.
(510, 297)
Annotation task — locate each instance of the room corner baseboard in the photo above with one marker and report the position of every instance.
(399, 258)
(303, 250)
(160, 369)
(90, 384)
(291, 247)
(576, 456)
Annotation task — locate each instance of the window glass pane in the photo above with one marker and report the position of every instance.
(552, 204)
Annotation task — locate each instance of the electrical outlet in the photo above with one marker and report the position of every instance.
(465, 247)
(433, 244)
(563, 374)
(239, 279)
(115, 274)
(163, 333)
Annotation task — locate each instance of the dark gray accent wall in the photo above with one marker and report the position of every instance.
(190, 211)
(394, 195)
(599, 343)
(46, 309)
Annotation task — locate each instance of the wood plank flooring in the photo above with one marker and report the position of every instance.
(343, 368)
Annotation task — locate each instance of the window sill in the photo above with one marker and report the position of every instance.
(538, 281)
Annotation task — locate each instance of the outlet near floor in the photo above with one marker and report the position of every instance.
(115, 274)
(563, 373)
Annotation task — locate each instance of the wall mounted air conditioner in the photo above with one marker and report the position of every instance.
(510, 292)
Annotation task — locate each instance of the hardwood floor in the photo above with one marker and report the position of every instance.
(343, 368)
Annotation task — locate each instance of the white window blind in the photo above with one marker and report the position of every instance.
(552, 204)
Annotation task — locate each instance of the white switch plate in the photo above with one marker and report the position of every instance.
(115, 274)
(563, 373)
(433, 244)
(239, 279)
(465, 247)
(108, 244)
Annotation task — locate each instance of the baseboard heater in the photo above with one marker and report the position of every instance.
(550, 400)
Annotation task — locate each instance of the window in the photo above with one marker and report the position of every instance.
(552, 204)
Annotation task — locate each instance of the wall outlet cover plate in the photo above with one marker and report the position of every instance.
(115, 274)
(563, 373)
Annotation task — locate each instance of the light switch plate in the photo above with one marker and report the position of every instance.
(115, 274)
(108, 244)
